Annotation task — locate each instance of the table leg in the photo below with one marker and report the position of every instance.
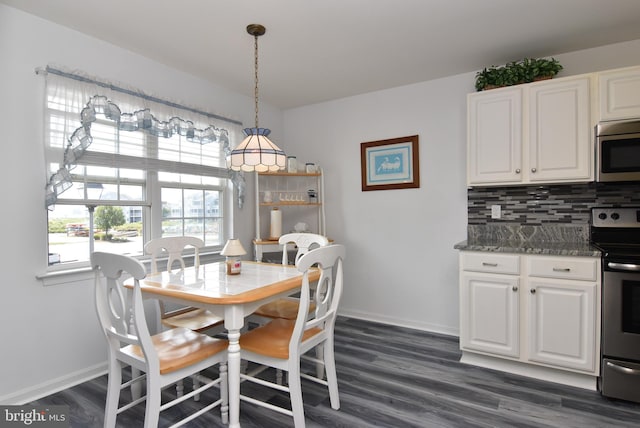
(234, 378)
(233, 322)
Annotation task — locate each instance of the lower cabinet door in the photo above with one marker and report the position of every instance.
(562, 323)
(489, 314)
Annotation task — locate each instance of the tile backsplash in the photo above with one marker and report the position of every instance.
(538, 205)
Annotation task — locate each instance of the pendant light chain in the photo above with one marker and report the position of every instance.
(256, 152)
(256, 74)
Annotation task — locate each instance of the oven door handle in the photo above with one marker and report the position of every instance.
(624, 266)
(623, 369)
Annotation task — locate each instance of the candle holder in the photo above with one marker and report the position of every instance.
(232, 250)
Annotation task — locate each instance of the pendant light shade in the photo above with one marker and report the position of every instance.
(256, 152)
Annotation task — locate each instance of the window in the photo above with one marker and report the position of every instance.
(138, 178)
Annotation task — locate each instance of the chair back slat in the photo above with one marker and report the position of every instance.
(121, 311)
(304, 241)
(329, 260)
(174, 247)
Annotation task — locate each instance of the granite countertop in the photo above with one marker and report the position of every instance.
(556, 240)
(583, 249)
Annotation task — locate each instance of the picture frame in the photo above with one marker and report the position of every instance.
(390, 164)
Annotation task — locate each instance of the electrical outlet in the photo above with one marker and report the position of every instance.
(496, 211)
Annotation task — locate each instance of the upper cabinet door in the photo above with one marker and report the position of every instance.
(560, 131)
(620, 94)
(494, 137)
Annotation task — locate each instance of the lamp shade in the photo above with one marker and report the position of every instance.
(257, 153)
(233, 247)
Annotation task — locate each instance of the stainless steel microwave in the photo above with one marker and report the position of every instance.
(618, 151)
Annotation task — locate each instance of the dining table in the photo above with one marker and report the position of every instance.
(232, 297)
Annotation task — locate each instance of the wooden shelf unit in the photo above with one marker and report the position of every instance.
(290, 194)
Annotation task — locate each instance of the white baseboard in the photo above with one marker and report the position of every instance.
(549, 374)
(52, 386)
(366, 316)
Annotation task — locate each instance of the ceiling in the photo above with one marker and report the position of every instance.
(320, 50)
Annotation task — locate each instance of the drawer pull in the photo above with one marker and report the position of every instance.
(490, 264)
(555, 269)
(514, 288)
(533, 291)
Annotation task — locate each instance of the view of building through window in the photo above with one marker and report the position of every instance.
(69, 234)
(192, 212)
(189, 212)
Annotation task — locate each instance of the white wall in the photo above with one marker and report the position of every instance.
(401, 265)
(50, 334)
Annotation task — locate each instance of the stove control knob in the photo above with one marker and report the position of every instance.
(602, 216)
(615, 216)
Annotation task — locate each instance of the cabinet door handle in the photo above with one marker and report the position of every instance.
(533, 170)
(518, 171)
(490, 264)
(514, 288)
(533, 291)
(561, 269)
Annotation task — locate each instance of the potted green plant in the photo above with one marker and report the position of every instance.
(517, 72)
(496, 77)
(544, 68)
(482, 80)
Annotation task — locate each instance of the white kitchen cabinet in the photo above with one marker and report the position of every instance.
(619, 94)
(489, 303)
(560, 131)
(490, 314)
(562, 310)
(290, 193)
(562, 323)
(534, 133)
(494, 125)
(539, 312)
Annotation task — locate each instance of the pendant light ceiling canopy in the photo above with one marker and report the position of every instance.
(256, 152)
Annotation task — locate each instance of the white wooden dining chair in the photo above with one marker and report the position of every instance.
(163, 358)
(282, 343)
(196, 319)
(287, 307)
(173, 247)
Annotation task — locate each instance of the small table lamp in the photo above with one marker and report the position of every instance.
(233, 249)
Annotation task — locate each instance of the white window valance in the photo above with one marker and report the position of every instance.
(82, 100)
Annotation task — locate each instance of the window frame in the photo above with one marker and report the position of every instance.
(152, 201)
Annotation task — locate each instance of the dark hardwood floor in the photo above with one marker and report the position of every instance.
(396, 377)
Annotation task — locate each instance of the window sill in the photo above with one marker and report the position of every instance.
(66, 276)
(83, 274)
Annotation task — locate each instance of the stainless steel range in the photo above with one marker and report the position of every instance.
(616, 231)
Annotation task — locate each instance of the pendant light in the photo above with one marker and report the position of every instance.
(256, 152)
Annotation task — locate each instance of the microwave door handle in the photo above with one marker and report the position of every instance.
(624, 266)
(623, 369)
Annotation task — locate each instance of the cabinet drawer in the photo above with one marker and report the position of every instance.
(564, 268)
(490, 262)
